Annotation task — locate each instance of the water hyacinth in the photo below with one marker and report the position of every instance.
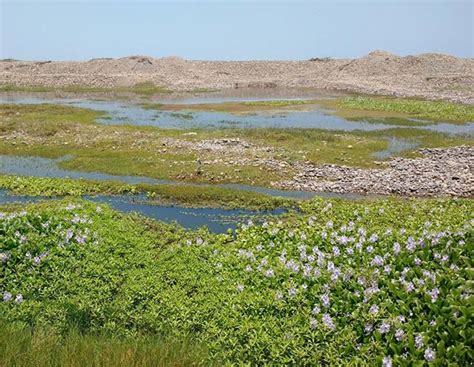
(286, 283)
(430, 354)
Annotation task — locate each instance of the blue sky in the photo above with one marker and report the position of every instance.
(226, 30)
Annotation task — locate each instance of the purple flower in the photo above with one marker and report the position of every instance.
(3, 257)
(327, 320)
(7, 296)
(396, 248)
(387, 362)
(377, 261)
(399, 335)
(434, 293)
(292, 292)
(19, 298)
(325, 300)
(430, 354)
(374, 309)
(384, 328)
(419, 341)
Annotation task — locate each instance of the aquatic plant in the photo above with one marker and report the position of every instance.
(384, 282)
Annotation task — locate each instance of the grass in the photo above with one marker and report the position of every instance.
(184, 195)
(24, 346)
(144, 89)
(54, 131)
(148, 283)
(405, 107)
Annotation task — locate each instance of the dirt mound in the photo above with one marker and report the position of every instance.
(428, 75)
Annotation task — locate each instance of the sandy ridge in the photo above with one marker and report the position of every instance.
(433, 76)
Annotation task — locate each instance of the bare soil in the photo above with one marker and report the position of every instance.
(432, 76)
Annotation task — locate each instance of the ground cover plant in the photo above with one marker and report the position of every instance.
(385, 282)
(408, 107)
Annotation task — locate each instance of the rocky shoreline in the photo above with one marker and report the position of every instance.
(440, 172)
(431, 76)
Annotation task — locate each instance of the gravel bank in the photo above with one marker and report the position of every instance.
(432, 76)
(440, 172)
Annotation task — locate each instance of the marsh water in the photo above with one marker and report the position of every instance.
(132, 113)
(216, 220)
(47, 167)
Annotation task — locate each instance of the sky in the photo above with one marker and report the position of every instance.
(233, 30)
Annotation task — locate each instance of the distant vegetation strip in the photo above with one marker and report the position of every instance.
(186, 195)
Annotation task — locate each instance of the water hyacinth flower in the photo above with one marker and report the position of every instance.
(292, 292)
(316, 310)
(328, 322)
(278, 296)
(269, 273)
(313, 323)
(411, 244)
(240, 287)
(7, 296)
(430, 354)
(396, 248)
(434, 293)
(387, 362)
(19, 298)
(419, 341)
(374, 309)
(368, 328)
(325, 300)
(399, 335)
(3, 257)
(377, 261)
(384, 328)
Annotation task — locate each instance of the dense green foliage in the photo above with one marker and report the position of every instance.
(422, 109)
(344, 282)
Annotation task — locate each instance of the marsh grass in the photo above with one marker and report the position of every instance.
(23, 346)
(184, 195)
(144, 89)
(409, 107)
(54, 131)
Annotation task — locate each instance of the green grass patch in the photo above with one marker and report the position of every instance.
(413, 108)
(24, 346)
(144, 89)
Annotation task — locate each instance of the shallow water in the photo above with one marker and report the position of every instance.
(133, 114)
(395, 146)
(216, 220)
(47, 167)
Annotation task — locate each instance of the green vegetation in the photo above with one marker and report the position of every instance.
(144, 89)
(184, 195)
(408, 107)
(53, 131)
(42, 347)
(345, 283)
